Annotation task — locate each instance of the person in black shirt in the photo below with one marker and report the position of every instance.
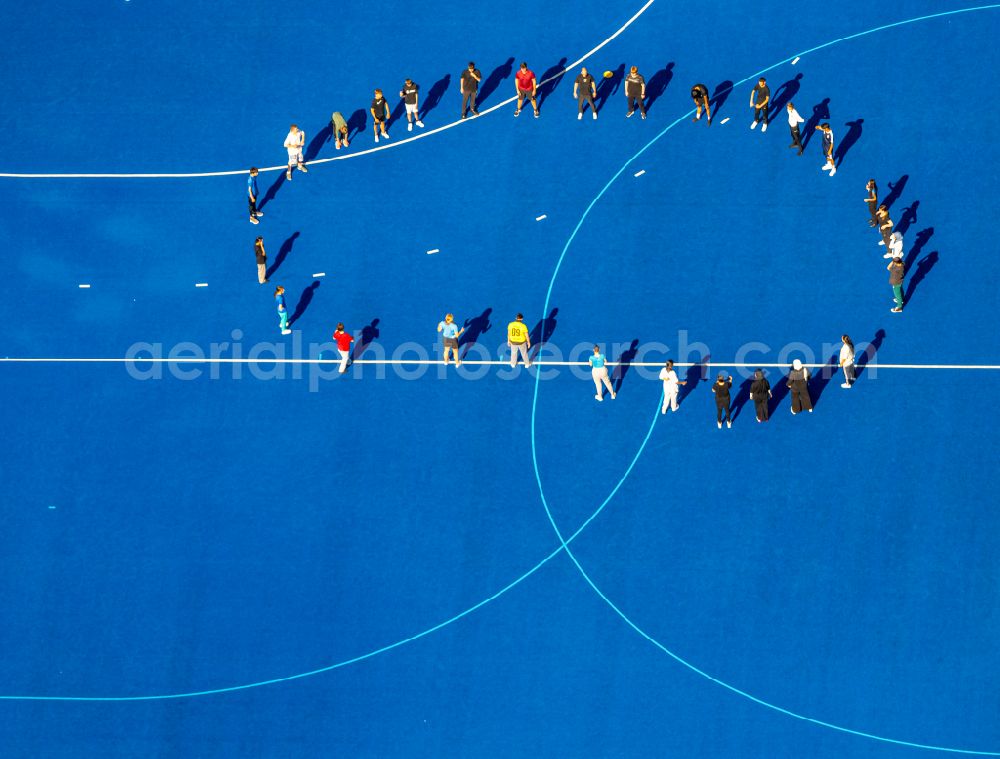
(261, 255)
(699, 94)
(584, 91)
(798, 383)
(872, 201)
(721, 390)
(468, 85)
(827, 133)
(635, 92)
(884, 224)
(760, 394)
(380, 113)
(411, 96)
(760, 98)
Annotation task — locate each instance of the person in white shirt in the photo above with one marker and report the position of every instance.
(895, 247)
(294, 143)
(793, 123)
(670, 387)
(847, 361)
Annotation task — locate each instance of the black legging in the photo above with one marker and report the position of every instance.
(469, 101)
(760, 404)
(722, 409)
(633, 101)
(584, 98)
(760, 113)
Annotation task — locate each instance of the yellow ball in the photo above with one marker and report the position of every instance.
(608, 74)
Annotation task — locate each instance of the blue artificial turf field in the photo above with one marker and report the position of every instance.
(260, 559)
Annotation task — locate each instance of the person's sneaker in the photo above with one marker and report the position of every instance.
(337, 145)
(833, 171)
(897, 310)
(253, 220)
(881, 242)
(385, 135)
(536, 114)
(376, 139)
(759, 420)
(598, 397)
(613, 396)
(753, 125)
(793, 145)
(663, 410)
(643, 115)
(763, 127)
(420, 123)
(346, 143)
(809, 410)
(259, 214)
(594, 114)
(517, 113)
(463, 117)
(720, 425)
(729, 424)
(409, 126)
(826, 167)
(475, 112)
(286, 332)
(845, 385)
(629, 114)
(579, 116)
(303, 169)
(288, 175)
(697, 118)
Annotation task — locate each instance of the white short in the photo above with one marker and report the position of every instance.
(412, 108)
(294, 155)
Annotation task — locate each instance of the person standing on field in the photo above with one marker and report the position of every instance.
(468, 85)
(519, 340)
(760, 394)
(699, 94)
(252, 196)
(847, 361)
(584, 90)
(343, 340)
(261, 254)
(760, 98)
(798, 383)
(294, 142)
(670, 387)
(450, 332)
(599, 373)
(721, 390)
(411, 98)
(635, 92)
(526, 87)
(793, 124)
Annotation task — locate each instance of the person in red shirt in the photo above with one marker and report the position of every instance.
(527, 87)
(343, 340)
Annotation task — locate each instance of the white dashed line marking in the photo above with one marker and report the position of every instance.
(432, 252)
(319, 274)
(84, 287)
(539, 218)
(724, 120)
(639, 173)
(796, 60)
(201, 284)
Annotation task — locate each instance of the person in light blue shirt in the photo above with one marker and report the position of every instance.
(599, 371)
(450, 332)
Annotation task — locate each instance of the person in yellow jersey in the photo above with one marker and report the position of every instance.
(518, 340)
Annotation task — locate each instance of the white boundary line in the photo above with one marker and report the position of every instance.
(471, 362)
(395, 144)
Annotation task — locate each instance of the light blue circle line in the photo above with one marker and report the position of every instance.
(563, 543)
(534, 457)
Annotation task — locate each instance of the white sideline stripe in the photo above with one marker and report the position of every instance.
(471, 362)
(358, 154)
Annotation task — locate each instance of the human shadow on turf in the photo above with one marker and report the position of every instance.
(867, 356)
(847, 141)
(473, 329)
(283, 251)
(369, 334)
(719, 97)
(924, 266)
(779, 389)
(542, 333)
(908, 217)
(488, 87)
(895, 190)
(434, 95)
(272, 191)
(316, 143)
(783, 95)
(624, 362)
(658, 84)
(819, 379)
(300, 308)
(608, 87)
(356, 123)
(695, 374)
(546, 88)
(821, 113)
(922, 237)
(742, 398)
